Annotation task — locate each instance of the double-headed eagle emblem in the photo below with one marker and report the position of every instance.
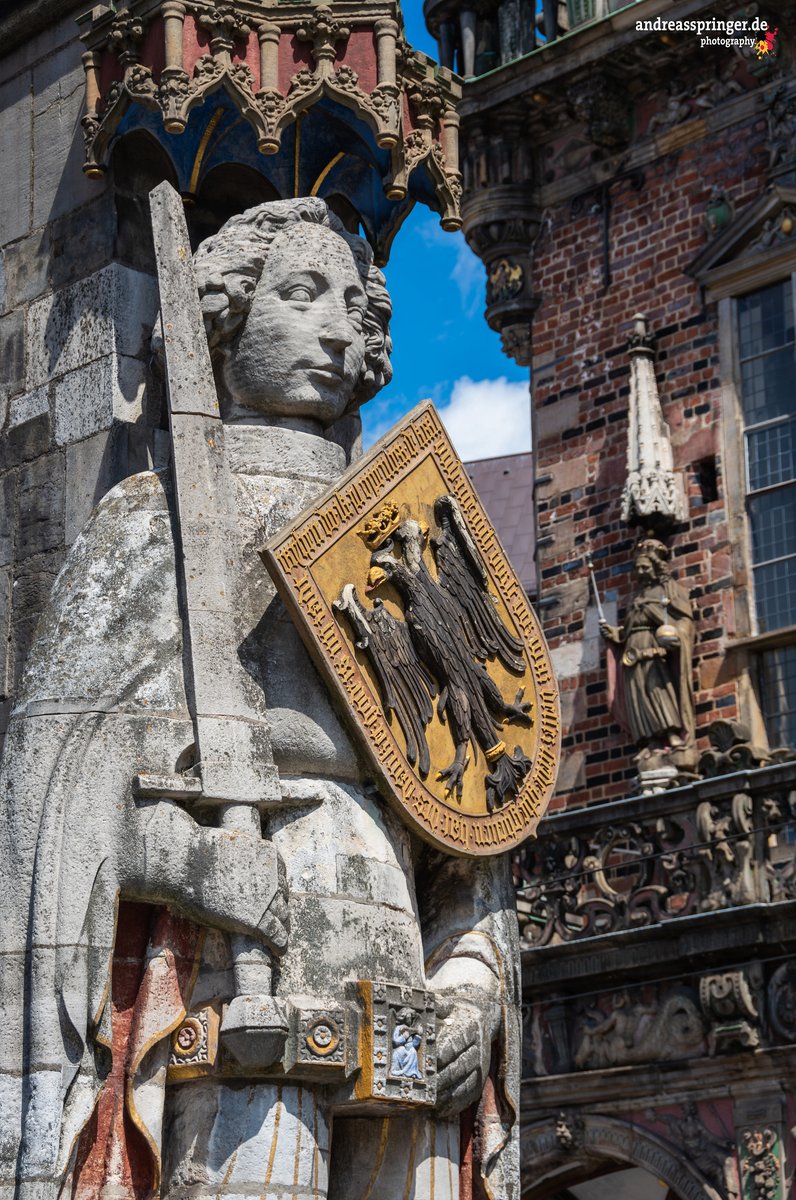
(437, 654)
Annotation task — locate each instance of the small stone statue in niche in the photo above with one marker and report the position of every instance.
(651, 686)
(406, 1038)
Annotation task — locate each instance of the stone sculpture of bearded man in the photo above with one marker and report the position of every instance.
(119, 908)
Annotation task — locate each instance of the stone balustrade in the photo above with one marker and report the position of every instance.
(712, 845)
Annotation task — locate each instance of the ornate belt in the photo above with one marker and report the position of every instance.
(379, 1045)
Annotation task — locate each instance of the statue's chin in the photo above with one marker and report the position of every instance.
(314, 400)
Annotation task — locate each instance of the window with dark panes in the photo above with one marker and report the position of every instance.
(768, 398)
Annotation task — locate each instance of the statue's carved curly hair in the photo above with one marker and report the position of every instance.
(229, 265)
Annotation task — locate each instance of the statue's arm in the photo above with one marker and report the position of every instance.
(612, 633)
(470, 934)
(111, 640)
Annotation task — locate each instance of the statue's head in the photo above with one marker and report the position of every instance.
(297, 316)
(652, 561)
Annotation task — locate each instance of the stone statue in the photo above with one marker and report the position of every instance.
(122, 907)
(653, 693)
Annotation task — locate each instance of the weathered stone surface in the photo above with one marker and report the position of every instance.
(23, 442)
(12, 352)
(15, 132)
(5, 655)
(110, 311)
(58, 180)
(93, 467)
(26, 264)
(28, 406)
(7, 507)
(33, 581)
(82, 241)
(89, 398)
(105, 698)
(41, 506)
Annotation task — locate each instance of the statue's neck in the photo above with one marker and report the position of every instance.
(286, 449)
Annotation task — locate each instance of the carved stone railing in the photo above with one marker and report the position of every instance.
(631, 953)
(716, 844)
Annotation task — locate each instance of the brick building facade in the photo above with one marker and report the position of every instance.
(612, 169)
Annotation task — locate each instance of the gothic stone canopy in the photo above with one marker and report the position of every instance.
(189, 72)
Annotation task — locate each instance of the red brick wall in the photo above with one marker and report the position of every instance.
(580, 388)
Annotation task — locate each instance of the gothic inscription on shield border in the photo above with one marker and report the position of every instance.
(408, 605)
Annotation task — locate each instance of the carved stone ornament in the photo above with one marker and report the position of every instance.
(604, 107)
(664, 1028)
(462, 729)
(194, 1044)
(397, 1044)
(762, 1161)
(653, 493)
(714, 1155)
(192, 49)
(569, 1131)
(731, 749)
(781, 116)
(729, 1001)
(782, 1002)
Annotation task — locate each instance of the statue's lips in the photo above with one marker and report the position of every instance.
(328, 371)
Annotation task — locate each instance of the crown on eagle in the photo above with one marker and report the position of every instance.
(379, 527)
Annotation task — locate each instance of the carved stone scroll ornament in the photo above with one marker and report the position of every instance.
(731, 750)
(653, 493)
(782, 1002)
(173, 62)
(730, 1003)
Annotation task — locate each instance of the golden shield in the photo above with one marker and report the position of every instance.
(408, 605)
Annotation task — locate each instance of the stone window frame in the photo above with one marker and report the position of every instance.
(748, 644)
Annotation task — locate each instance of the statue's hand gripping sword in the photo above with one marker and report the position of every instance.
(234, 771)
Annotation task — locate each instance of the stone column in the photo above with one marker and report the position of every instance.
(173, 12)
(467, 20)
(268, 36)
(386, 36)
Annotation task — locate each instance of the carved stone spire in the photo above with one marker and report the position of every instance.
(653, 492)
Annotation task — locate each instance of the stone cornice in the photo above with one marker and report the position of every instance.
(602, 42)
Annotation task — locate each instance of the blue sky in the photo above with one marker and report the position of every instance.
(443, 349)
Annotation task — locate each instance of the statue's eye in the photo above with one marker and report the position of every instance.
(356, 315)
(301, 292)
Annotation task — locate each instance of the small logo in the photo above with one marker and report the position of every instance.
(766, 46)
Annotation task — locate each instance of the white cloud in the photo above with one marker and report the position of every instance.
(488, 417)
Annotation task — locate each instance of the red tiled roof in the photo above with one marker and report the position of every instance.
(505, 486)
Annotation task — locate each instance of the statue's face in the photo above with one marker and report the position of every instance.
(644, 569)
(302, 347)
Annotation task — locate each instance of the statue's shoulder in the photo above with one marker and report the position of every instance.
(131, 515)
(148, 491)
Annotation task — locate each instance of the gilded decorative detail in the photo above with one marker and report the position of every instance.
(194, 1044)
(414, 475)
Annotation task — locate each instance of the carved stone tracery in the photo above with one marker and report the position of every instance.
(269, 107)
(653, 493)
